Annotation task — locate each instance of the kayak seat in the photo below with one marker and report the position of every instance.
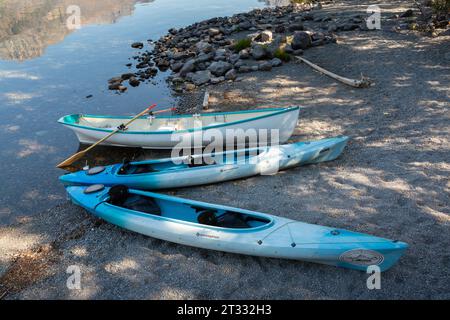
(128, 168)
(207, 217)
(119, 196)
(143, 204)
(232, 220)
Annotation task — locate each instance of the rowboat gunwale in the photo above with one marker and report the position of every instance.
(276, 111)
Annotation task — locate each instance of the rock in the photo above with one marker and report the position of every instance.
(129, 65)
(134, 82)
(301, 40)
(296, 27)
(332, 27)
(254, 68)
(189, 86)
(407, 13)
(217, 80)
(245, 25)
(244, 69)
(204, 57)
(277, 44)
(189, 66)
(276, 62)
(213, 32)
(89, 96)
(137, 45)
(219, 68)
(234, 58)
(201, 77)
(127, 76)
(297, 52)
(288, 49)
(115, 79)
(308, 16)
(265, 66)
(348, 26)
(203, 46)
(264, 36)
(231, 74)
(175, 67)
(258, 52)
(244, 54)
(142, 65)
(280, 29)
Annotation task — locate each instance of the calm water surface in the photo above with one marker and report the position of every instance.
(47, 70)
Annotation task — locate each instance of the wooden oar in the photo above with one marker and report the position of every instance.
(164, 110)
(80, 154)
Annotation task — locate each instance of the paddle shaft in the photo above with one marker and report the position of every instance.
(78, 155)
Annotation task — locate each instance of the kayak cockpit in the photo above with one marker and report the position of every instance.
(119, 196)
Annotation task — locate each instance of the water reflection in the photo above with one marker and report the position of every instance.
(27, 27)
(47, 71)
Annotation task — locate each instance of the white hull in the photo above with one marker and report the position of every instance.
(261, 128)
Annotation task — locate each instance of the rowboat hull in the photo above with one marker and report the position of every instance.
(267, 160)
(277, 237)
(179, 131)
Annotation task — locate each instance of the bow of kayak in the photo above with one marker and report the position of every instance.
(229, 229)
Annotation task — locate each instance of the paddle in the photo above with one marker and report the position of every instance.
(80, 154)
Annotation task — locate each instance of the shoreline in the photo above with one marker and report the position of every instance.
(391, 182)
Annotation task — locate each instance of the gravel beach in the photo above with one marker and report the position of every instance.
(392, 181)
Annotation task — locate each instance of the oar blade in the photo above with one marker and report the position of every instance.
(71, 159)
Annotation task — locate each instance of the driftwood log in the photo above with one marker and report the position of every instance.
(362, 83)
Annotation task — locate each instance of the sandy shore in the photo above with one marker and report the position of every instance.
(392, 181)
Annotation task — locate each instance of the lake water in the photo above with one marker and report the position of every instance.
(48, 70)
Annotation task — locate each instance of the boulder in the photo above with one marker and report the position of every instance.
(258, 52)
(134, 82)
(276, 45)
(176, 66)
(219, 68)
(200, 77)
(137, 45)
(203, 46)
(189, 66)
(296, 27)
(301, 40)
(265, 66)
(213, 32)
(280, 29)
(264, 36)
(217, 80)
(231, 74)
(244, 54)
(276, 62)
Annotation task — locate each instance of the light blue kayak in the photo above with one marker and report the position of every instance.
(209, 168)
(223, 228)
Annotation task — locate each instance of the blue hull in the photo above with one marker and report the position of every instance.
(225, 166)
(180, 221)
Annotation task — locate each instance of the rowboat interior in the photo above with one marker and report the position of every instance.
(152, 123)
(133, 168)
(120, 196)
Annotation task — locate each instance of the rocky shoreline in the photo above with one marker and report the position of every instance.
(223, 48)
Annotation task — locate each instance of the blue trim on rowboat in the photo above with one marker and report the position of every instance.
(281, 111)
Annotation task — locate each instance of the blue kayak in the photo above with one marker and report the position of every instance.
(209, 168)
(228, 229)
